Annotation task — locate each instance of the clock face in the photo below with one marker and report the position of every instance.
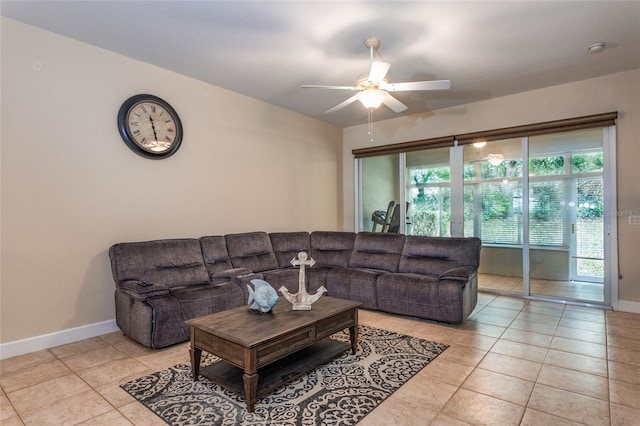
(150, 126)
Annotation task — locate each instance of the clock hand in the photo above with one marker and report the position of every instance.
(155, 136)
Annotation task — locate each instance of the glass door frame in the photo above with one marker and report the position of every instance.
(610, 217)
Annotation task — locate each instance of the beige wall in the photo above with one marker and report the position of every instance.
(71, 187)
(617, 92)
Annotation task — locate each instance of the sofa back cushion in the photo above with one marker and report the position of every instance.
(251, 250)
(215, 254)
(171, 262)
(436, 255)
(332, 248)
(377, 251)
(287, 245)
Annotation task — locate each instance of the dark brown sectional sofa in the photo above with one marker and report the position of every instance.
(160, 284)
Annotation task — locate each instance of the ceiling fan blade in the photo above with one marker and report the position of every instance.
(345, 103)
(419, 85)
(320, 86)
(392, 102)
(378, 71)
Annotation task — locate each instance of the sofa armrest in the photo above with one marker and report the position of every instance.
(229, 274)
(142, 290)
(243, 279)
(462, 273)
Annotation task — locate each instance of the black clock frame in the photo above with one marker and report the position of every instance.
(128, 138)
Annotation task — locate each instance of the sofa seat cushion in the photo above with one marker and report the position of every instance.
(396, 290)
(251, 250)
(422, 296)
(289, 278)
(317, 277)
(196, 301)
(355, 284)
(377, 251)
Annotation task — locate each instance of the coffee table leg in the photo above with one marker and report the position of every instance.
(195, 362)
(353, 334)
(250, 390)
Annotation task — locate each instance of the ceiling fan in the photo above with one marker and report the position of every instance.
(374, 89)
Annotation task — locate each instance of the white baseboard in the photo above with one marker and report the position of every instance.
(627, 306)
(46, 341)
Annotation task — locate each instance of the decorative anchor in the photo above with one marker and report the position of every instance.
(302, 300)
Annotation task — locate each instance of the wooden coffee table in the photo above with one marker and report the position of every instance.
(260, 352)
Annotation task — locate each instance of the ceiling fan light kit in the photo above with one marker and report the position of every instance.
(371, 98)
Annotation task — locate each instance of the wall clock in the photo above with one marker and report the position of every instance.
(150, 126)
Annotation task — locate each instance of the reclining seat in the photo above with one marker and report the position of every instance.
(437, 279)
(373, 254)
(251, 251)
(160, 284)
(286, 246)
(330, 250)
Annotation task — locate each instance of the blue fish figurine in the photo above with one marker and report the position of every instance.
(262, 296)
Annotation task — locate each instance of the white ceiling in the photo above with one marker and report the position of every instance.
(266, 49)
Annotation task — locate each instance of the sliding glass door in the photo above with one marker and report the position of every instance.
(493, 211)
(537, 203)
(566, 217)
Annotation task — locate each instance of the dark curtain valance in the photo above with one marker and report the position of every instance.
(447, 141)
(556, 126)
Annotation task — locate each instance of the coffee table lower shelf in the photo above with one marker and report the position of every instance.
(278, 373)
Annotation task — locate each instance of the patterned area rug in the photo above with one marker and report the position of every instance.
(340, 392)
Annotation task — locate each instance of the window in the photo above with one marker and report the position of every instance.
(493, 192)
(428, 192)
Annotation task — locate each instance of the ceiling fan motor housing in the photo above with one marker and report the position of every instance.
(372, 42)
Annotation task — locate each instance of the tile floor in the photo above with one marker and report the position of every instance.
(576, 290)
(514, 362)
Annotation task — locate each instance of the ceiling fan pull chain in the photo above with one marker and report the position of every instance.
(371, 123)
